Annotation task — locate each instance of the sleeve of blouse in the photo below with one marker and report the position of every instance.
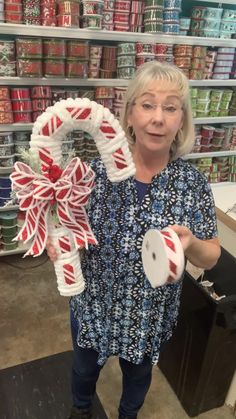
(203, 223)
(172, 303)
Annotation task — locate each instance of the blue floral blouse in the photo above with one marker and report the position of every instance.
(119, 313)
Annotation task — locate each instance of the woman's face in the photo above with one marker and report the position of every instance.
(156, 116)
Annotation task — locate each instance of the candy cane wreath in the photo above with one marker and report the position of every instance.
(65, 192)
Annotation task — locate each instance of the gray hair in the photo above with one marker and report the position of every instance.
(148, 72)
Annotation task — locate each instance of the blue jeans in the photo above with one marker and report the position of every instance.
(136, 379)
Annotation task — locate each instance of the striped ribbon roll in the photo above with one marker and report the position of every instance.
(162, 256)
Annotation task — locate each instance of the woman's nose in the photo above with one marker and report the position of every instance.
(158, 114)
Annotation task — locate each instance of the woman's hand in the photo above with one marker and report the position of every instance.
(185, 235)
(51, 250)
(201, 253)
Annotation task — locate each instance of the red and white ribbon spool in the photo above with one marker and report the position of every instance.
(162, 256)
(66, 191)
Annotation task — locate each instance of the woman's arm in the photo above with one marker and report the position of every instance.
(201, 253)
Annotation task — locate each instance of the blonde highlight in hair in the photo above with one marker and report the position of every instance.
(163, 72)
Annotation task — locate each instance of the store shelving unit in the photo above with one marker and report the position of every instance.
(197, 121)
(111, 37)
(22, 248)
(225, 153)
(9, 208)
(217, 2)
(66, 82)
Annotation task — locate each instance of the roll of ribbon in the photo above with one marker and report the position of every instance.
(20, 93)
(68, 8)
(41, 92)
(29, 47)
(108, 19)
(54, 48)
(6, 138)
(162, 257)
(13, 7)
(172, 4)
(22, 117)
(125, 72)
(6, 118)
(29, 67)
(142, 48)
(126, 48)
(7, 50)
(76, 68)
(4, 93)
(54, 68)
(104, 92)
(140, 60)
(109, 5)
(11, 17)
(21, 106)
(8, 69)
(5, 106)
(92, 21)
(68, 20)
(5, 182)
(6, 150)
(40, 104)
(92, 7)
(77, 49)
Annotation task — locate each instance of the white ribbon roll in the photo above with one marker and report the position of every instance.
(162, 256)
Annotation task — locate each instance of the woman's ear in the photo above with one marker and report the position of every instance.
(182, 121)
(129, 121)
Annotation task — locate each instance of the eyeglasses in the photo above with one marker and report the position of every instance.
(170, 109)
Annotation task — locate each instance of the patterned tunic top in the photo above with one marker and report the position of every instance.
(119, 313)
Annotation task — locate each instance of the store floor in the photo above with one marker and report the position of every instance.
(34, 323)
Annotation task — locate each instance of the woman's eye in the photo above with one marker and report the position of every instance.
(170, 108)
(147, 106)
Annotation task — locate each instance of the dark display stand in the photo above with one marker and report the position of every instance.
(40, 390)
(199, 361)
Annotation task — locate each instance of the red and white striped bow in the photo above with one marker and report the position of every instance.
(69, 189)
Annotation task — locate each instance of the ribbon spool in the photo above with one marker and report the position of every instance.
(162, 256)
(66, 191)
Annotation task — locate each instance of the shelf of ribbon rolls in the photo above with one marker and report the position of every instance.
(114, 36)
(20, 249)
(223, 153)
(26, 81)
(28, 127)
(215, 120)
(217, 2)
(9, 208)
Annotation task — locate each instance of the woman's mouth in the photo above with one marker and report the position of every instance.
(152, 134)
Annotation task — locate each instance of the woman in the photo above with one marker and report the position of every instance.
(119, 313)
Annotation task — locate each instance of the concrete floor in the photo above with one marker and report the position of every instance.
(34, 323)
